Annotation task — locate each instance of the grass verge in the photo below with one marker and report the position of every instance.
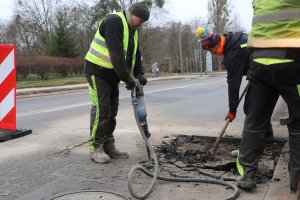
(50, 83)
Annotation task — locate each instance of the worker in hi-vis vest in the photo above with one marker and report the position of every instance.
(274, 45)
(113, 56)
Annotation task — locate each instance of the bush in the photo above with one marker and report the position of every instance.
(46, 67)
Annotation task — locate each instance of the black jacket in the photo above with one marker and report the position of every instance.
(112, 30)
(236, 61)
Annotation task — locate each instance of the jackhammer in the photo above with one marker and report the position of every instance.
(140, 113)
(138, 100)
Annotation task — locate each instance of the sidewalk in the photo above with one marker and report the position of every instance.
(71, 170)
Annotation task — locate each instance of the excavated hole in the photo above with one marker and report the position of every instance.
(192, 154)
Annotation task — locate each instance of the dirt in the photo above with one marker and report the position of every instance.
(191, 154)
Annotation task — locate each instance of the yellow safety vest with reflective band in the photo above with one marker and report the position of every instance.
(275, 24)
(98, 52)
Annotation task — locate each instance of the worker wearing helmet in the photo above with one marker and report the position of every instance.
(274, 70)
(113, 56)
(233, 46)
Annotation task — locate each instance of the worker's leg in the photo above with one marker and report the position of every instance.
(100, 118)
(269, 111)
(269, 129)
(114, 102)
(289, 80)
(109, 145)
(258, 113)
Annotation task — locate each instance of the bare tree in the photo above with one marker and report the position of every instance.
(235, 24)
(36, 17)
(82, 26)
(219, 11)
(104, 7)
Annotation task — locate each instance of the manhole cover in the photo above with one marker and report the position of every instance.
(90, 195)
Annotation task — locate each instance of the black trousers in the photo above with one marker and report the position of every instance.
(267, 83)
(105, 103)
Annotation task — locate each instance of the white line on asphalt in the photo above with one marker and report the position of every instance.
(122, 97)
(52, 109)
(199, 84)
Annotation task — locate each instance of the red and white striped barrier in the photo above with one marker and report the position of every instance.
(7, 87)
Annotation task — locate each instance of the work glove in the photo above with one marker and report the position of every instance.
(142, 79)
(130, 84)
(231, 116)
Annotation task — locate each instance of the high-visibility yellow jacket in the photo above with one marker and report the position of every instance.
(98, 52)
(276, 24)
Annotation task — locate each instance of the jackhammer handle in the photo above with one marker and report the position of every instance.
(220, 136)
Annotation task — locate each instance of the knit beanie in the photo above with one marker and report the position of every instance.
(141, 10)
(208, 39)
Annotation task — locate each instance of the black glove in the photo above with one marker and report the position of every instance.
(142, 79)
(130, 84)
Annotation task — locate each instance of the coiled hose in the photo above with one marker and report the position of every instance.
(155, 175)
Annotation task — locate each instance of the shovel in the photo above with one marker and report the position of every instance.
(214, 149)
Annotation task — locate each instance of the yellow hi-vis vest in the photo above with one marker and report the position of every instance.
(98, 52)
(276, 24)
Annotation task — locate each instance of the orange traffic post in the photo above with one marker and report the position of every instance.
(8, 94)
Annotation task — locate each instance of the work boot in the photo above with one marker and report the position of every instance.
(246, 183)
(111, 150)
(235, 153)
(99, 156)
(144, 126)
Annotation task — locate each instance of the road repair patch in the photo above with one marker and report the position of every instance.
(189, 156)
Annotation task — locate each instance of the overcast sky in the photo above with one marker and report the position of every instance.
(185, 10)
(181, 10)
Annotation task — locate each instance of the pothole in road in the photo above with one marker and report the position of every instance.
(191, 154)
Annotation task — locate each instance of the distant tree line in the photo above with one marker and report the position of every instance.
(52, 36)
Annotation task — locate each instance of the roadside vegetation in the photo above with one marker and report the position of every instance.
(52, 38)
(35, 82)
(51, 82)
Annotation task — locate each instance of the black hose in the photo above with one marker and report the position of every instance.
(156, 169)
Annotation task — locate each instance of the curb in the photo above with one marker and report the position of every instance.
(279, 185)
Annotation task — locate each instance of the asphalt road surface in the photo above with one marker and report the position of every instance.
(191, 103)
(55, 160)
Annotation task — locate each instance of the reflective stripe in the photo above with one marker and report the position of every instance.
(7, 104)
(280, 15)
(239, 166)
(244, 45)
(273, 43)
(298, 87)
(94, 98)
(271, 61)
(7, 66)
(97, 54)
(101, 43)
(103, 57)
